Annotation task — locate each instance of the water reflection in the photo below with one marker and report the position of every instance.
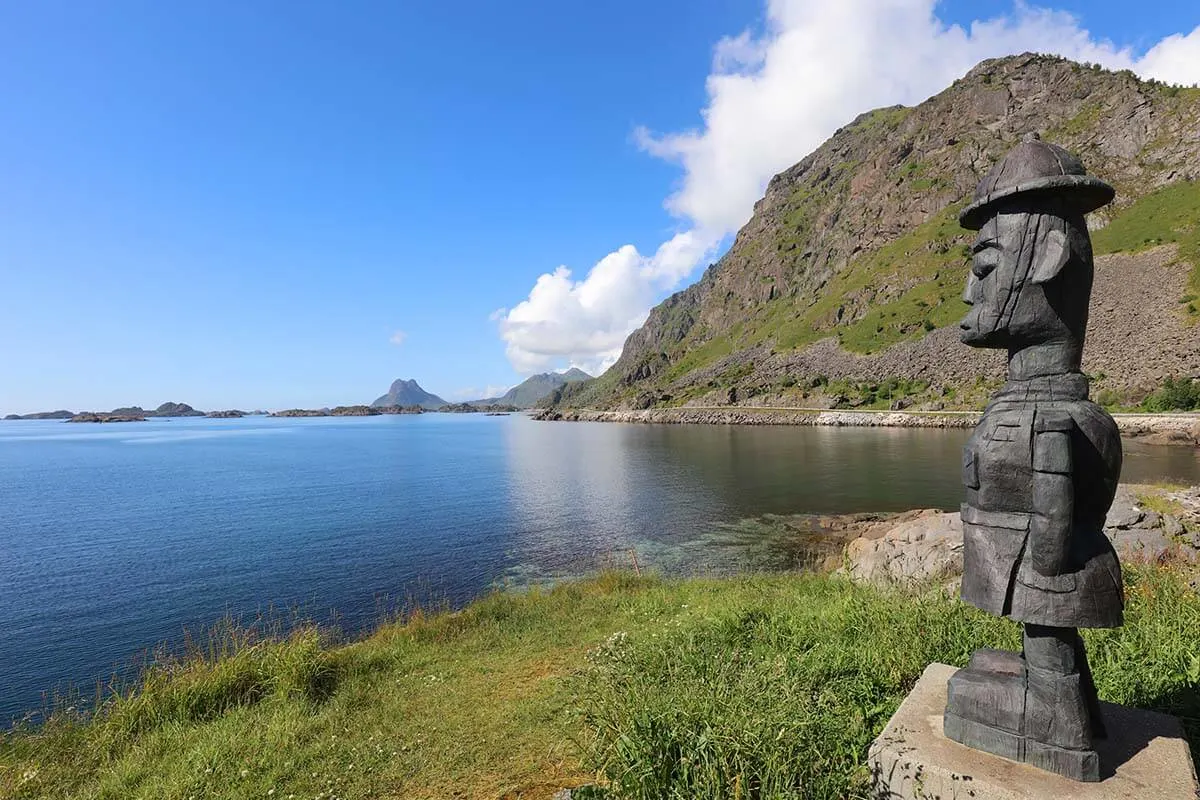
(710, 498)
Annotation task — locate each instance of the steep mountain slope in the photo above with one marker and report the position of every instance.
(533, 389)
(853, 263)
(409, 393)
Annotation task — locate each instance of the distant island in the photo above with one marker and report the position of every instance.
(93, 416)
(137, 414)
(43, 415)
(350, 411)
(472, 408)
(526, 395)
(404, 396)
(123, 414)
(405, 393)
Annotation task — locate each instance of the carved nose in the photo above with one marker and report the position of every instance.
(968, 295)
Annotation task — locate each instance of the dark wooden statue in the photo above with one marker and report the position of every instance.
(1040, 469)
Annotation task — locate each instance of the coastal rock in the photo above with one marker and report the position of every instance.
(929, 547)
(1124, 516)
(924, 549)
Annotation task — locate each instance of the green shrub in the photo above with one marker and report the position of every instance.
(1182, 394)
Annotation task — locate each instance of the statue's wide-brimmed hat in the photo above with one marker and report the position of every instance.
(1036, 166)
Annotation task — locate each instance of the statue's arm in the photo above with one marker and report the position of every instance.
(1053, 493)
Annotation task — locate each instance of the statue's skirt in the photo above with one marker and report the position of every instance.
(999, 578)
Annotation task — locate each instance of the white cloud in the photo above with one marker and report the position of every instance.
(773, 97)
(1176, 59)
(398, 338)
(476, 393)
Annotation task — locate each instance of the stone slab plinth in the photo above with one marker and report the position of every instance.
(1145, 756)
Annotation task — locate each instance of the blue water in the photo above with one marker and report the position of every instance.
(115, 538)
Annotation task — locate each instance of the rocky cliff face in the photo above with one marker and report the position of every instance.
(853, 263)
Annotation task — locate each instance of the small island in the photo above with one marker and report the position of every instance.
(92, 416)
(61, 414)
(349, 411)
(122, 414)
(492, 409)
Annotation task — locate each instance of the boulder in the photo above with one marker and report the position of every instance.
(924, 549)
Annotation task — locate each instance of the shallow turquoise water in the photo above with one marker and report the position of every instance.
(116, 537)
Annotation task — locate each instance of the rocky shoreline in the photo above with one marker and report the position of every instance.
(1179, 428)
(1146, 524)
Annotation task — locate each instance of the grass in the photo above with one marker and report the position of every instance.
(753, 686)
(1153, 501)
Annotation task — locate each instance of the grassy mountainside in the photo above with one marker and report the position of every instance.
(853, 263)
(653, 688)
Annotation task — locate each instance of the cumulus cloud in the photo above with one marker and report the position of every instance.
(1176, 59)
(476, 392)
(398, 338)
(773, 96)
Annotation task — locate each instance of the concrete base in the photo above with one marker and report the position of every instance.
(1145, 756)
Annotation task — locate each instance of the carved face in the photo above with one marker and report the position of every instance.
(992, 282)
(1011, 289)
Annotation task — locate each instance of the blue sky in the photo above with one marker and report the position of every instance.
(292, 204)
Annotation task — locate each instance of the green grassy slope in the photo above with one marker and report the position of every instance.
(916, 283)
(682, 688)
(1168, 215)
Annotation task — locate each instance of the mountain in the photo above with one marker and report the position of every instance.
(409, 393)
(844, 287)
(529, 392)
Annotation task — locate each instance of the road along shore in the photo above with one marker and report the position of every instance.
(1181, 428)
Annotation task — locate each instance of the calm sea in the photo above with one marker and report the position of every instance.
(115, 538)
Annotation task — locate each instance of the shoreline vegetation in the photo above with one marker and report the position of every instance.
(1153, 428)
(633, 686)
